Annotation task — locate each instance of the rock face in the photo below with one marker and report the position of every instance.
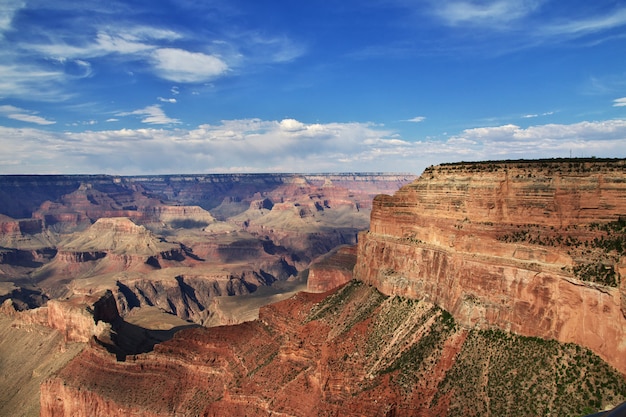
(30, 353)
(353, 352)
(332, 270)
(80, 319)
(86, 195)
(532, 247)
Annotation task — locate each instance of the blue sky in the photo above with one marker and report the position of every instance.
(190, 86)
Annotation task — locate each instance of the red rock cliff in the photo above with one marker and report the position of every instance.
(332, 270)
(519, 245)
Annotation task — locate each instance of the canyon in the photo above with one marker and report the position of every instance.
(126, 262)
(485, 288)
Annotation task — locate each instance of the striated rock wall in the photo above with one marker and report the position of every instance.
(184, 296)
(22, 195)
(79, 319)
(332, 270)
(446, 238)
(57, 399)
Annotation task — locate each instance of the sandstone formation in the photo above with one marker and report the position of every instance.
(332, 270)
(80, 319)
(532, 247)
(30, 353)
(23, 195)
(354, 352)
(93, 228)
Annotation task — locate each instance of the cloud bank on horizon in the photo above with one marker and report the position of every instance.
(235, 86)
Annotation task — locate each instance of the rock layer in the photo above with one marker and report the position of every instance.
(446, 238)
(332, 270)
(352, 352)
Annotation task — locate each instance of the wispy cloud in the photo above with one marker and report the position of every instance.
(417, 119)
(7, 11)
(166, 100)
(590, 24)
(30, 118)
(619, 102)
(153, 115)
(533, 115)
(23, 115)
(277, 49)
(112, 40)
(494, 13)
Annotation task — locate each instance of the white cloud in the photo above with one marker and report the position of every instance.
(490, 12)
(291, 125)
(533, 115)
(31, 81)
(187, 67)
(619, 102)
(43, 69)
(292, 146)
(10, 109)
(417, 119)
(7, 11)
(112, 40)
(590, 25)
(23, 115)
(30, 118)
(602, 139)
(154, 115)
(166, 100)
(107, 43)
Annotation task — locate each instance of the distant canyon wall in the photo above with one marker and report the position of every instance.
(22, 195)
(503, 244)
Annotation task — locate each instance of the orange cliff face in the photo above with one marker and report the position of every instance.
(532, 247)
(332, 270)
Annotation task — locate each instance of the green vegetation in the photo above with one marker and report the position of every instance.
(596, 272)
(413, 363)
(395, 313)
(263, 364)
(569, 163)
(495, 373)
(359, 305)
(596, 247)
(499, 373)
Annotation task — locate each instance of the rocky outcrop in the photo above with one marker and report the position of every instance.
(332, 270)
(80, 319)
(184, 296)
(30, 354)
(117, 235)
(503, 245)
(353, 352)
